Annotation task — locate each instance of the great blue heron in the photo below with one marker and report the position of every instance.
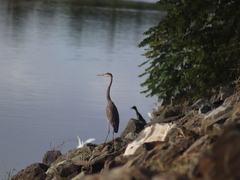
(139, 116)
(111, 109)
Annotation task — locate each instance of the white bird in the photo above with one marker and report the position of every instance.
(82, 143)
(150, 115)
(156, 111)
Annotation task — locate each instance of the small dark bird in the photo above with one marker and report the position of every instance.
(111, 109)
(139, 116)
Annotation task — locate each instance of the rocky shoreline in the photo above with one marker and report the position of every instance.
(198, 141)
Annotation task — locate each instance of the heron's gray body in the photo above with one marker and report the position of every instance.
(112, 113)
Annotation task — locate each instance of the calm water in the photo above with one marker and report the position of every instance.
(50, 54)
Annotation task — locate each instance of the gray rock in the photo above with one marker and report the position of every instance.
(225, 92)
(50, 156)
(68, 169)
(121, 174)
(79, 154)
(205, 108)
(103, 156)
(169, 114)
(131, 136)
(221, 113)
(199, 103)
(221, 161)
(200, 144)
(133, 126)
(217, 129)
(235, 114)
(201, 106)
(70, 164)
(178, 131)
(34, 171)
(170, 111)
(62, 170)
(155, 132)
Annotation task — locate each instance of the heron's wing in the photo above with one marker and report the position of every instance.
(112, 116)
(109, 114)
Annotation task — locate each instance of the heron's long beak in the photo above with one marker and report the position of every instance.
(100, 74)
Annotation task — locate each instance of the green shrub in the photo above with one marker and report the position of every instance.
(193, 51)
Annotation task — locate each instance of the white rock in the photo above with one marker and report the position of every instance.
(155, 132)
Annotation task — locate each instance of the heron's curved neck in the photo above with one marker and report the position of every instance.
(108, 89)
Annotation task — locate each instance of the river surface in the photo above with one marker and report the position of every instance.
(50, 54)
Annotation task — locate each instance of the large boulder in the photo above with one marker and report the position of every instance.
(121, 173)
(222, 160)
(155, 132)
(70, 164)
(133, 126)
(34, 171)
(169, 114)
(218, 115)
(51, 156)
(103, 156)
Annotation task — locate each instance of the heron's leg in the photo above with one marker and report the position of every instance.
(107, 133)
(113, 139)
(113, 134)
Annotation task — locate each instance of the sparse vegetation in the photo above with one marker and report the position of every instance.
(9, 174)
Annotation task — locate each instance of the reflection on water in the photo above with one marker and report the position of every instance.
(50, 54)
